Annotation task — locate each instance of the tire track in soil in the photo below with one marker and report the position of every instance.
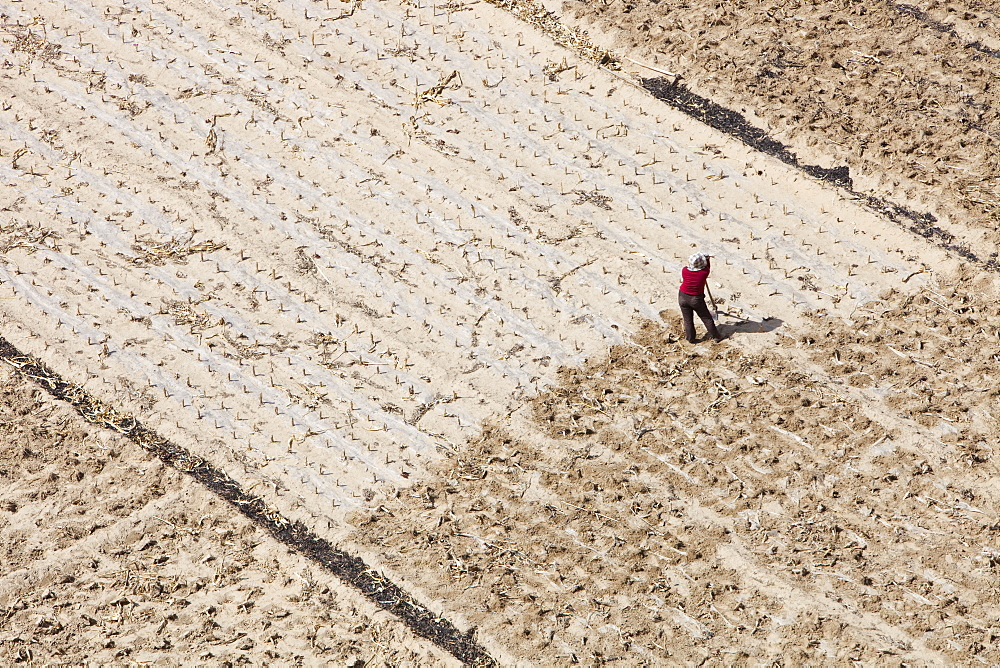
(349, 568)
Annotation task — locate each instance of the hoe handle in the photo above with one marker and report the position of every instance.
(715, 309)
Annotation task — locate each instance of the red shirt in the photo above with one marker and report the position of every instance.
(693, 282)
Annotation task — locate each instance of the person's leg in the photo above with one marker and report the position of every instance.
(701, 308)
(687, 313)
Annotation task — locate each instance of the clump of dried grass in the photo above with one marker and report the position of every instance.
(25, 235)
(24, 40)
(184, 313)
(149, 251)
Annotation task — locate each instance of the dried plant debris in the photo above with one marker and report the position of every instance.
(553, 70)
(592, 197)
(984, 192)
(152, 252)
(243, 350)
(30, 236)
(322, 341)
(22, 39)
(183, 313)
(433, 93)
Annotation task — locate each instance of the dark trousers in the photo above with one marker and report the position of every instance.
(691, 304)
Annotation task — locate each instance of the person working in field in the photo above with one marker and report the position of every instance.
(691, 296)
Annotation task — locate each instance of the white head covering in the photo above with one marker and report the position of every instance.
(697, 261)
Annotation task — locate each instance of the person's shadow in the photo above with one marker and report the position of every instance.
(745, 326)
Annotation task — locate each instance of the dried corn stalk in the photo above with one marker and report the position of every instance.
(552, 70)
(27, 42)
(434, 92)
(159, 253)
(982, 192)
(355, 4)
(184, 313)
(25, 235)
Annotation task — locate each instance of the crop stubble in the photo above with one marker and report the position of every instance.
(830, 497)
(112, 556)
(352, 273)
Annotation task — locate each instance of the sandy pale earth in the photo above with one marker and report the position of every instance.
(407, 273)
(110, 558)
